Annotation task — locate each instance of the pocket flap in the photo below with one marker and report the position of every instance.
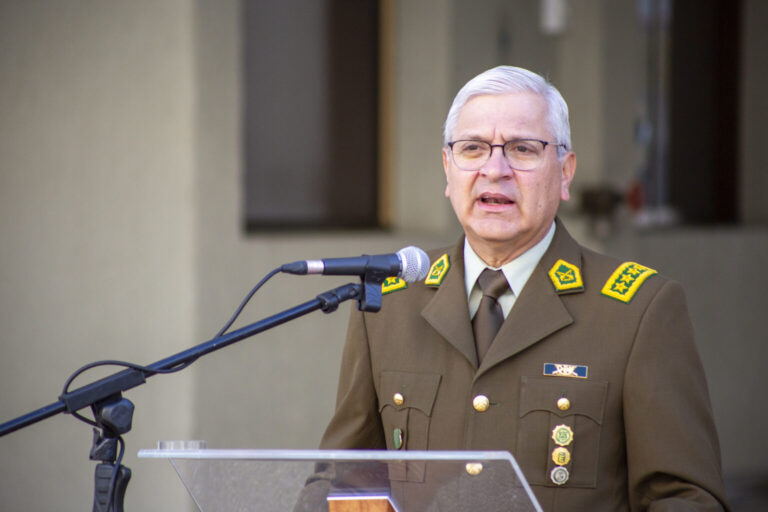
(414, 390)
(587, 398)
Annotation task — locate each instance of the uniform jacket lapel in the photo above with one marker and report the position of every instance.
(448, 313)
(539, 310)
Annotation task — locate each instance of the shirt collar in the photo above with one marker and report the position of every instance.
(516, 271)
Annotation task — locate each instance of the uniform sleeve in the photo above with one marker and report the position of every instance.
(356, 423)
(673, 454)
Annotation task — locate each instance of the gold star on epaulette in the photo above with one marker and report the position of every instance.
(626, 280)
(392, 284)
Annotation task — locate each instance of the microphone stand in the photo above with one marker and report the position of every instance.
(113, 414)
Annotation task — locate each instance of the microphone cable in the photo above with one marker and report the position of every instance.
(111, 496)
(151, 371)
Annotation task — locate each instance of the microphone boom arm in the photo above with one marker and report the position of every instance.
(113, 414)
(131, 378)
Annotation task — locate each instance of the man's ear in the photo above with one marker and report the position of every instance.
(568, 169)
(446, 164)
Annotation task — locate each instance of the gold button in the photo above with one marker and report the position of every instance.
(481, 403)
(563, 404)
(398, 398)
(561, 456)
(474, 468)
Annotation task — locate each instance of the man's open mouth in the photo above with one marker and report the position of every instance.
(495, 199)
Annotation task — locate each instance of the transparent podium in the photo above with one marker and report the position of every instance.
(348, 480)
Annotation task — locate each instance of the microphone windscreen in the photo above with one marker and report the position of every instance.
(414, 262)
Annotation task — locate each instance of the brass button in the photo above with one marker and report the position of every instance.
(561, 456)
(399, 399)
(481, 403)
(474, 468)
(563, 404)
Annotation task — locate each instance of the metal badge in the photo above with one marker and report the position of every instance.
(559, 475)
(397, 439)
(561, 456)
(562, 435)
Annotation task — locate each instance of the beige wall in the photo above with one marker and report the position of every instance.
(97, 231)
(120, 238)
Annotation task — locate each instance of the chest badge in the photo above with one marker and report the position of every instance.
(562, 435)
(578, 371)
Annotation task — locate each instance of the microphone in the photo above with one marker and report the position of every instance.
(409, 263)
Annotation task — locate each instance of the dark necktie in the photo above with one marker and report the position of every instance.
(489, 316)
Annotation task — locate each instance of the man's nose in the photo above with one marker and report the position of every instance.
(497, 166)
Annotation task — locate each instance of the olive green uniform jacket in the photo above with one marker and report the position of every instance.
(643, 433)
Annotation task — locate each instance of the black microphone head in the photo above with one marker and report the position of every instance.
(414, 264)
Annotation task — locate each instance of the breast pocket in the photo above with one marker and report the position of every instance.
(405, 404)
(560, 423)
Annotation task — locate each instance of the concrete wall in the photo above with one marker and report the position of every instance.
(97, 232)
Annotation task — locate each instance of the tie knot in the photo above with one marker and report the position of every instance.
(493, 283)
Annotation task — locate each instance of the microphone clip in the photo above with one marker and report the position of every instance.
(367, 293)
(370, 299)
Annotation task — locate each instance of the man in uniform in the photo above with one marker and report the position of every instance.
(582, 366)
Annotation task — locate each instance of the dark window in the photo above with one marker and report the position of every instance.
(310, 119)
(704, 108)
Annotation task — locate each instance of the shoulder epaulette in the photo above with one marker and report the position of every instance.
(566, 277)
(392, 284)
(438, 270)
(626, 280)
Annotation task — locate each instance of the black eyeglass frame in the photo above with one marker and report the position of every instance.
(544, 144)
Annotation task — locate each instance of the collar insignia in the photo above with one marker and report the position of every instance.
(566, 277)
(392, 284)
(437, 271)
(626, 280)
(578, 371)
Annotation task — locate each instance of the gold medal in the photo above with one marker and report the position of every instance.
(561, 456)
(562, 435)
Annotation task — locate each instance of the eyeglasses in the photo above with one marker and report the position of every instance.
(520, 154)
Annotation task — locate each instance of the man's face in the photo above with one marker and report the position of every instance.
(503, 211)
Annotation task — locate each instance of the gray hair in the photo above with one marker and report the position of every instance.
(509, 79)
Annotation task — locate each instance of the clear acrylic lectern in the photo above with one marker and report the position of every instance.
(335, 481)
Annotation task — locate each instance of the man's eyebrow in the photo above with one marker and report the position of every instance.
(475, 136)
(471, 136)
